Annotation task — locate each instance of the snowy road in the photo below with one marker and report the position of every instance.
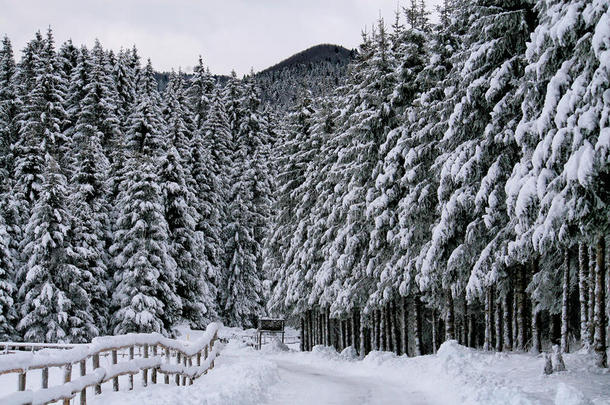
(304, 384)
(457, 375)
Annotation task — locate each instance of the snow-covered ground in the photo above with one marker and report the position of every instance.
(456, 375)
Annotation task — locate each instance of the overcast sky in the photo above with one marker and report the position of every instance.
(229, 34)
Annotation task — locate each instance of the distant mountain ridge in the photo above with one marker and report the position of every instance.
(318, 53)
(317, 70)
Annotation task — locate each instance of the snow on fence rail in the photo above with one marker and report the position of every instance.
(191, 361)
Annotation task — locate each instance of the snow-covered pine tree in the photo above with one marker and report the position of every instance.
(185, 244)
(125, 77)
(255, 138)
(145, 123)
(54, 305)
(383, 198)
(292, 161)
(212, 149)
(362, 132)
(570, 163)
(194, 286)
(144, 271)
(89, 182)
(8, 314)
(242, 302)
(9, 108)
(200, 93)
(42, 89)
(68, 55)
(470, 147)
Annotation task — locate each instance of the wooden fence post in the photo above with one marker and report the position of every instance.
(115, 380)
(45, 377)
(178, 357)
(184, 362)
(212, 346)
(205, 356)
(131, 355)
(83, 372)
(154, 370)
(67, 379)
(21, 381)
(145, 371)
(167, 359)
(191, 365)
(96, 365)
(199, 359)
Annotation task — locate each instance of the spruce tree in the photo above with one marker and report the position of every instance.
(144, 272)
(54, 305)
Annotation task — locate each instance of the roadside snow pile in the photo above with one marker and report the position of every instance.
(467, 366)
(323, 353)
(349, 353)
(242, 377)
(276, 346)
(567, 395)
(518, 378)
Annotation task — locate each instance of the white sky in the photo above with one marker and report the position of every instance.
(229, 34)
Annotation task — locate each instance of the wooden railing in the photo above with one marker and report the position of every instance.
(156, 355)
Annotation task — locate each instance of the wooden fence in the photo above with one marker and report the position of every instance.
(151, 354)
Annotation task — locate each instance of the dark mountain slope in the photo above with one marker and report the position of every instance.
(319, 69)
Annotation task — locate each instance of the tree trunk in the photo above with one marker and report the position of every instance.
(362, 348)
(328, 328)
(434, 339)
(417, 326)
(374, 329)
(355, 329)
(498, 319)
(382, 329)
(472, 342)
(323, 327)
(507, 336)
(488, 308)
(565, 348)
(302, 343)
(465, 323)
(450, 323)
(521, 306)
(313, 327)
(394, 326)
(311, 330)
(601, 356)
(373, 332)
(535, 330)
(583, 294)
(592, 285)
(342, 341)
(305, 332)
(404, 326)
(515, 328)
(388, 328)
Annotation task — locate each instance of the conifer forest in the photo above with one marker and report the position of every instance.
(449, 180)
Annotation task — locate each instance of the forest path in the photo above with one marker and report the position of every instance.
(306, 384)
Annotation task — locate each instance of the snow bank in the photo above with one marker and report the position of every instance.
(275, 346)
(233, 381)
(465, 365)
(567, 395)
(349, 353)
